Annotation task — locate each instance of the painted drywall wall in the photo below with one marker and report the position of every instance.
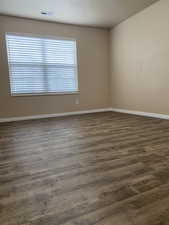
(93, 70)
(140, 61)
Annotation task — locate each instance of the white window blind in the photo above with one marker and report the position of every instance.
(40, 65)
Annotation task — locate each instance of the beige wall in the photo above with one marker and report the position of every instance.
(93, 60)
(139, 65)
(140, 61)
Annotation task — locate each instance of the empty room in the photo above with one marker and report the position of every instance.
(84, 112)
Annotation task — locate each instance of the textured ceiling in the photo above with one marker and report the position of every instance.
(101, 13)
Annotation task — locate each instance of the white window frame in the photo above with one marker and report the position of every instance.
(43, 37)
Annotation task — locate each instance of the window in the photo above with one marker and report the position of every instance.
(41, 65)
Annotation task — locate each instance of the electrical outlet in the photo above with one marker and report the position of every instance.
(77, 101)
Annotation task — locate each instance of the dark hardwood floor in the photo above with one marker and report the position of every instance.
(97, 169)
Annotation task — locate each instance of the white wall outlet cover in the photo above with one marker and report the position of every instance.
(77, 101)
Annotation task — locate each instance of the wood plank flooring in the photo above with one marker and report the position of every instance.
(97, 169)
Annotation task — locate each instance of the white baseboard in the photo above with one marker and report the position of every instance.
(12, 119)
(139, 113)
(43, 116)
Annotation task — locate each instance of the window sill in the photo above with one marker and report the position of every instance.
(45, 94)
